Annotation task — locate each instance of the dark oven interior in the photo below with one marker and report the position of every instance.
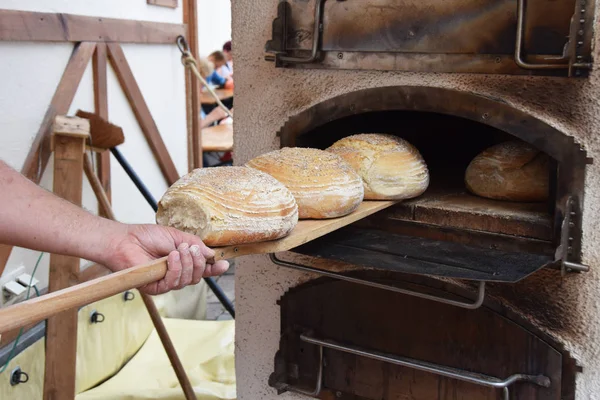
(447, 231)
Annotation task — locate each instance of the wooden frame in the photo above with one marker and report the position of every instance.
(192, 89)
(70, 136)
(17, 25)
(94, 39)
(49, 27)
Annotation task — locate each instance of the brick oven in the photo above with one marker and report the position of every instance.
(447, 296)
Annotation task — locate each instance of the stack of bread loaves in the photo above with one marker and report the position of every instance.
(390, 167)
(228, 206)
(511, 171)
(324, 185)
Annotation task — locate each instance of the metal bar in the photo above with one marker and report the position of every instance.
(227, 304)
(453, 373)
(317, 32)
(470, 306)
(319, 385)
(519, 45)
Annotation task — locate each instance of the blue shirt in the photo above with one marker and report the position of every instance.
(216, 79)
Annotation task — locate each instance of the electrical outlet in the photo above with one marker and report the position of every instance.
(7, 277)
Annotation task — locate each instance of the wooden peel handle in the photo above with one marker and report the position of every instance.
(40, 308)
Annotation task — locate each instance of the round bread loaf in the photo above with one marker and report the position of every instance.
(511, 171)
(391, 168)
(324, 185)
(229, 205)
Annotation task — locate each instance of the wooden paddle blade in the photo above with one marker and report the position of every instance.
(104, 135)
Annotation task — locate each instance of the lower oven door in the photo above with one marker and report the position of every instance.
(346, 341)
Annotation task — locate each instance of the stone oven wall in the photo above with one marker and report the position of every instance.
(568, 309)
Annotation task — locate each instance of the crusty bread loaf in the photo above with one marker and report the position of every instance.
(512, 171)
(229, 205)
(391, 168)
(324, 185)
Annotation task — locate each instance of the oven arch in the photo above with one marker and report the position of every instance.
(486, 110)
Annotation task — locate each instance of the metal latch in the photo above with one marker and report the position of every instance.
(441, 370)
(565, 249)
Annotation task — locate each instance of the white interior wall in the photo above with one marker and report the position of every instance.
(214, 25)
(30, 72)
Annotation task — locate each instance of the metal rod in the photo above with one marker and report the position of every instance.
(470, 306)
(227, 304)
(519, 45)
(135, 178)
(448, 372)
(317, 31)
(318, 386)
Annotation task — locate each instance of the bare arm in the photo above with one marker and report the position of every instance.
(34, 218)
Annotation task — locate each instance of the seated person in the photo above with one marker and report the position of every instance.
(228, 55)
(217, 158)
(211, 75)
(218, 59)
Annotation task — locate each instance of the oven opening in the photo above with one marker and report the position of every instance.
(448, 144)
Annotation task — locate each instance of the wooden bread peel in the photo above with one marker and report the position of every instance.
(40, 308)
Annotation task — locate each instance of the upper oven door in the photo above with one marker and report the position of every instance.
(539, 37)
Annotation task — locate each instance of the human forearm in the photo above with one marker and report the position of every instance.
(34, 218)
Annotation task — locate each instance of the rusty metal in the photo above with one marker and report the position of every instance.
(477, 36)
(565, 249)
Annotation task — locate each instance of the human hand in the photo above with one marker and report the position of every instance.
(187, 255)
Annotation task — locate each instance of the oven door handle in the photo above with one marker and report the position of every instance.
(441, 370)
(467, 305)
(519, 47)
(317, 33)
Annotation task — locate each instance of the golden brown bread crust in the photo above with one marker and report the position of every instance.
(391, 168)
(513, 171)
(324, 185)
(229, 205)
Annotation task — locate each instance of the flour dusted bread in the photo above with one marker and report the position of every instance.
(324, 185)
(228, 206)
(391, 168)
(511, 171)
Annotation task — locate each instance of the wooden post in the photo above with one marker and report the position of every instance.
(192, 88)
(100, 64)
(68, 142)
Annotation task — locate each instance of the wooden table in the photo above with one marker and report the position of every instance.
(206, 98)
(218, 138)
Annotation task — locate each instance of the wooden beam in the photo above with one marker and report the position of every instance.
(100, 65)
(61, 329)
(142, 112)
(37, 159)
(192, 88)
(38, 156)
(57, 27)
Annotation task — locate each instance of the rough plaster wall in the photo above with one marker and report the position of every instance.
(265, 97)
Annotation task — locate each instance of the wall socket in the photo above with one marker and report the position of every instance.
(8, 277)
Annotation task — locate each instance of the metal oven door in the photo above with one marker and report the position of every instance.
(538, 37)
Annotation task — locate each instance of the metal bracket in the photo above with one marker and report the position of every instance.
(569, 62)
(564, 250)
(470, 306)
(317, 33)
(448, 372)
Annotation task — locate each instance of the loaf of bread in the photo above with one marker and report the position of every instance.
(228, 206)
(391, 168)
(512, 171)
(324, 185)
